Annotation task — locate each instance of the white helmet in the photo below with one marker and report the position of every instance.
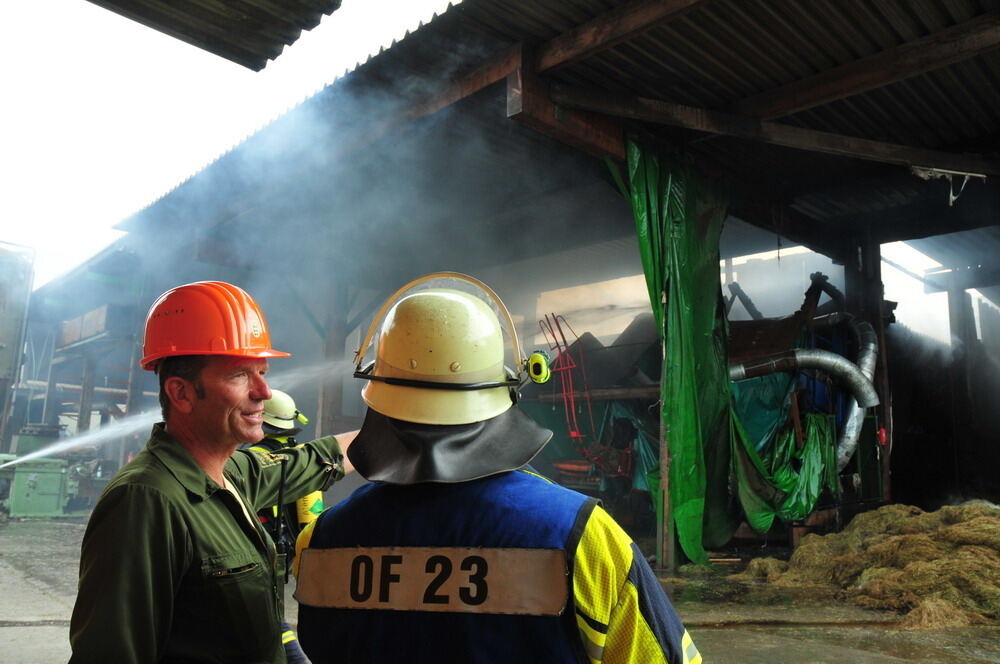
(439, 396)
(281, 413)
(440, 357)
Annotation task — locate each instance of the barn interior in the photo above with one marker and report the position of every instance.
(844, 281)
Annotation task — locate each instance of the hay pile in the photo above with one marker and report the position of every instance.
(942, 567)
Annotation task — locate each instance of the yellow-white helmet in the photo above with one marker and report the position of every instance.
(281, 413)
(440, 357)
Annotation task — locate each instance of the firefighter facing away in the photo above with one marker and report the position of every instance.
(283, 521)
(174, 567)
(456, 551)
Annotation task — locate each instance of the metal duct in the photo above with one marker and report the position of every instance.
(837, 366)
(867, 340)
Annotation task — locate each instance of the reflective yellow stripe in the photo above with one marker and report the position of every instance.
(541, 477)
(287, 636)
(691, 654)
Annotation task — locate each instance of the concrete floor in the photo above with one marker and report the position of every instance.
(730, 622)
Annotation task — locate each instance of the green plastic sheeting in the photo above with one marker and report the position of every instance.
(787, 482)
(761, 404)
(678, 219)
(722, 439)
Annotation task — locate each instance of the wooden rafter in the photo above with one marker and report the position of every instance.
(955, 44)
(727, 124)
(598, 34)
(962, 278)
(978, 206)
(609, 29)
(528, 102)
(791, 225)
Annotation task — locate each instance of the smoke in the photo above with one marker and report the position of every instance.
(334, 205)
(309, 375)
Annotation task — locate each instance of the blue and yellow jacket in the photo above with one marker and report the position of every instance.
(506, 568)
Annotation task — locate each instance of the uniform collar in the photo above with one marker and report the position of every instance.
(180, 463)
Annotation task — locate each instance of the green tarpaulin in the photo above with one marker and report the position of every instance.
(678, 220)
(716, 439)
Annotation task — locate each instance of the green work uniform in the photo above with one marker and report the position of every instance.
(173, 569)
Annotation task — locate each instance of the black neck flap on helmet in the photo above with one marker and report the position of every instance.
(398, 452)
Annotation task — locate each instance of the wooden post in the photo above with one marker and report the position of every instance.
(963, 332)
(86, 394)
(665, 546)
(6, 412)
(134, 396)
(50, 409)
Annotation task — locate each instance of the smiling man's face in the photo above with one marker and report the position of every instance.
(231, 411)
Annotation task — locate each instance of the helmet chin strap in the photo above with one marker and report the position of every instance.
(271, 430)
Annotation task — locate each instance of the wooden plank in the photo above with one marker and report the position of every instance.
(791, 225)
(528, 102)
(727, 124)
(955, 44)
(609, 29)
(978, 206)
(961, 278)
(493, 70)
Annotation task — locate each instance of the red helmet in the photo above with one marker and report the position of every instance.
(205, 318)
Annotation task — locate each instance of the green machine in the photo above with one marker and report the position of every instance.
(34, 488)
(48, 488)
(33, 437)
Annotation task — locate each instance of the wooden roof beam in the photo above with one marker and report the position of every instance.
(955, 44)
(598, 34)
(609, 29)
(727, 124)
(529, 103)
(962, 278)
(791, 225)
(977, 207)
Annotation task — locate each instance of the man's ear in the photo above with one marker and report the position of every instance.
(182, 394)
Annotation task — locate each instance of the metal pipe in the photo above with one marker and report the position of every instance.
(847, 443)
(837, 366)
(867, 340)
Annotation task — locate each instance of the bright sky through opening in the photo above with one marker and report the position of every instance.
(102, 115)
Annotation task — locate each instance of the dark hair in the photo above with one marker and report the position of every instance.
(187, 367)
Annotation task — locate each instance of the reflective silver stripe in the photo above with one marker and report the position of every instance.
(691, 654)
(594, 651)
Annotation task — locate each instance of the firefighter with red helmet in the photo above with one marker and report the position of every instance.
(174, 565)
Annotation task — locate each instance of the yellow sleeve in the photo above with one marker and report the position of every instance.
(622, 613)
(302, 542)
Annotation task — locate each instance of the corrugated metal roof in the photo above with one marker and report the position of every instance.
(723, 54)
(248, 32)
